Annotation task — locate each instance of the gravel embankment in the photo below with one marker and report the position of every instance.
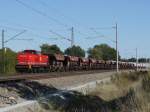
(9, 97)
(73, 81)
(16, 92)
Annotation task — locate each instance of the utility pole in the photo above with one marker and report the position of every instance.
(136, 59)
(72, 36)
(3, 47)
(117, 53)
(3, 53)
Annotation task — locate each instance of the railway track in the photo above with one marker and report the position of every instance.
(38, 76)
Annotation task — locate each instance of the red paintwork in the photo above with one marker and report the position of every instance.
(32, 58)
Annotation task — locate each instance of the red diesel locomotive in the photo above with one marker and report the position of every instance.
(28, 60)
(33, 61)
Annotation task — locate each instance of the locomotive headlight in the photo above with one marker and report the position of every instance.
(29, 66)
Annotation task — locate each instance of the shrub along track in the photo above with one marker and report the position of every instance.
(39, 76)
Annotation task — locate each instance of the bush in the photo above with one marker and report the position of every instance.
(146, 83)
(10, 61)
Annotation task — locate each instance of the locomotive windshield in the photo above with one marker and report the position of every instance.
(30, 51)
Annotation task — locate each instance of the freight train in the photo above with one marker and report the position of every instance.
(34, 61)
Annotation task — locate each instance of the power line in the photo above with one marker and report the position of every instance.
(94, 31)
(31, 31)
(11, 28)
(24, 39)
(40, 12)
(69, 18)
(102, 28)
(45, 5)
(15, 36)
(101, 36)
(41, 36)
(45, 15)
(59, 35)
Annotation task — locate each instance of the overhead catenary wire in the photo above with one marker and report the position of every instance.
(11, 28)
(40, 13)
(59, 35)
(63, 15)
(24, 39)
(45, 15)
(31, 31)
(15, 36)
(48, 17)
(101, 36)
(103, 28)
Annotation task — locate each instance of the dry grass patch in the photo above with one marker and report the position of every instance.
(128, 92)
(107, 92)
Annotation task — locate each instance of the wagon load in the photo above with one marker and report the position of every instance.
(72, 58)
(71, 63)
(92, 60)
(93, 63)
(110, 65)
(100, 64)
(84, 63)
(57, 57)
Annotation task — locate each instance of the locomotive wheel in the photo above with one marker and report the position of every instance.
(29, 71)
(20, 70)
(34, 70)
(46, 69)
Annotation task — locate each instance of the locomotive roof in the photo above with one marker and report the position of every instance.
(31, 51)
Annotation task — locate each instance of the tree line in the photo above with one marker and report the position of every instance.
(102, 51)
(140, 60)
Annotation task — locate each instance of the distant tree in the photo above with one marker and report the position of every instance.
(140, 60)
(124, 60)
(148, 60)
(143, 60)
(10, 61)
(102, 51)
(132, 59)
(50, 49)
(75, 51)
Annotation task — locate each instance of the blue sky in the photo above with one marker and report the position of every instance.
(132, 17)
